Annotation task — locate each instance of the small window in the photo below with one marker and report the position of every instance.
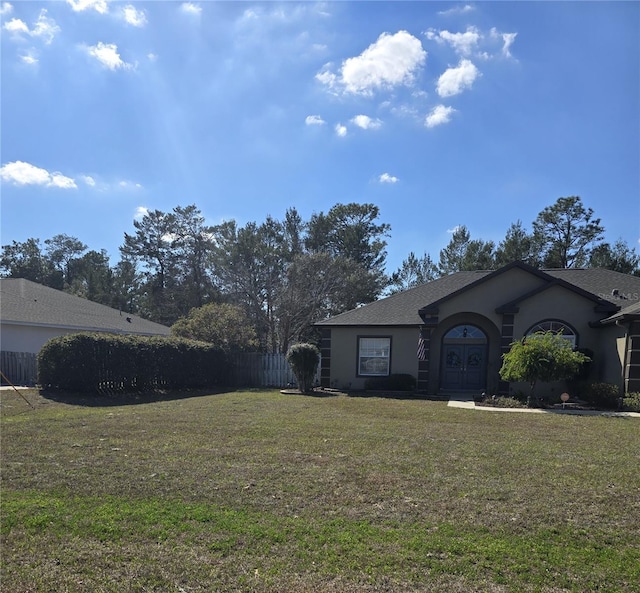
(374, 356)
(558, 327)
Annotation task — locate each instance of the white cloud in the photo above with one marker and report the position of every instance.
(141, 212)
(21, 173)
(191, 8)
(508, 39)
(30, 58)
(101, 6)
(391, 61)
(44, 28)
(6, 8)
(455, 80)
(463, 43)
(133, 16)
(107, 54)
(341, 130)
(90, 181)
(439, 115)
(152, 57)
(366, 123)
(16, 26)
(129, 185)
(314, 120)
(457, 10)
(386, 178)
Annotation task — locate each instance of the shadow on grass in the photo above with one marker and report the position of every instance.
(107, 399)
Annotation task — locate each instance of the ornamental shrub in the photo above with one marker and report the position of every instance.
(543, 356)
(631, 402)
(304, 359)
(602, 395)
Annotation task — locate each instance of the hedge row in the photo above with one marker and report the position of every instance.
(97, 362)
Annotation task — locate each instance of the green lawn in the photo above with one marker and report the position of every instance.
(259, 491)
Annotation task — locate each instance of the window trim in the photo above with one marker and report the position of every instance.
(572, 337)
(358, 357)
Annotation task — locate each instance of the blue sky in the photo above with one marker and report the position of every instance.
(441, 114)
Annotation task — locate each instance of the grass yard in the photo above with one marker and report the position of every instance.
(259, 491)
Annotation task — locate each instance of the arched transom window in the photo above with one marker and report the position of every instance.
(556, 326)
(465, 331)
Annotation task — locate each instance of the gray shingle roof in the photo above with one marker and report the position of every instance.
(28, 303)
(402, 308)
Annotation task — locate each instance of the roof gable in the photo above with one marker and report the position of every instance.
(412, 306)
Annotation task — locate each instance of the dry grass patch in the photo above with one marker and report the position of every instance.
(259, 491)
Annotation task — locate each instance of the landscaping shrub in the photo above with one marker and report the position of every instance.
(631, 403)
(393, 382)
(502, 401)
(96, 362)
(602, 395)
(304, 359)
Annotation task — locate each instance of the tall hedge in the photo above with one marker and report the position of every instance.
(98, 362)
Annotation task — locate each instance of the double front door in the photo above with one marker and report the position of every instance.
(464, 366)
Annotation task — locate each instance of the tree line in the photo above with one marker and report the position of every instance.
(272, 280)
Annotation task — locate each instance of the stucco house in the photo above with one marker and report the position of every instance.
(451, 333)
(31, 314)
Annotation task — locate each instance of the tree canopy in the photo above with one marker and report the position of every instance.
(286, 274)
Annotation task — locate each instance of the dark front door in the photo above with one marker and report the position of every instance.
(464, 366)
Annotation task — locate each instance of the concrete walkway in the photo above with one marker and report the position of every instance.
(466, 401)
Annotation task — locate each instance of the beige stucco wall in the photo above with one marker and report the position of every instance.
(477, 306)
(344, 352)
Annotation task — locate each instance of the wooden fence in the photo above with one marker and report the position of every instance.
(255, 369)
(20, 368)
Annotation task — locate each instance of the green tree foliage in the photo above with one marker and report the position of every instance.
(61, 250)
(464, 254)
(153, 245)
(517, 245)
(567, 233)
(91, 277)
(27, 260)
(619, 257)
(304, 360)
(414, 271)
(222, 324)
(352, 232)
(543, 356)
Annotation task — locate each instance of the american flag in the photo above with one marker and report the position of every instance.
(422, 351)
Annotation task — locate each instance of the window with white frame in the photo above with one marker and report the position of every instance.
(558, 327)
(374, 354)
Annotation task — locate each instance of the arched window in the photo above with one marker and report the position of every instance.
(465, 331)
(556, 326)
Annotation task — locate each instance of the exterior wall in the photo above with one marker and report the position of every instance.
(477, 306)
(27, 338)
(344, 353)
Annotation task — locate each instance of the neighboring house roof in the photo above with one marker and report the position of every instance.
(23, 302)
(610, 290)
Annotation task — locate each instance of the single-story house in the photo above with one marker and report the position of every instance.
(451, 333)
(31, 314)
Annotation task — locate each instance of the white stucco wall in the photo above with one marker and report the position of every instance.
(28, 338)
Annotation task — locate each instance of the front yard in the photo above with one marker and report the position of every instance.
(259, 491)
